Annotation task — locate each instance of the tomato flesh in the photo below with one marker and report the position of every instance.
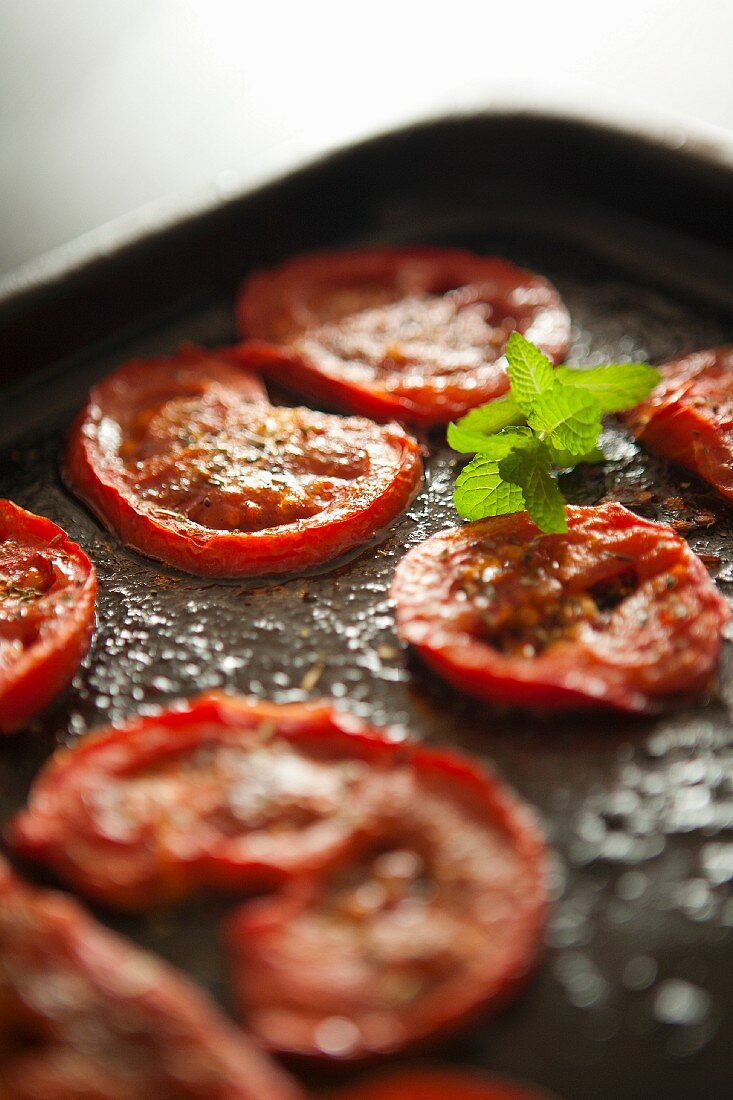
(187, 462)
(415, 333)
(617, 612)
(47, 593)
(434, 912)
(689, 417)
(83, 1013)
(259, 472)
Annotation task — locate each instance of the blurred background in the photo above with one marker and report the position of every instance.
(105, 108)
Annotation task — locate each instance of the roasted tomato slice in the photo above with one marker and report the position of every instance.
(414, 334)
(689, 416)
(433, 913)
(85, 1014)
(438, 1084)
(185, 461)
(220, 793)
(47, 592)
(617, 612)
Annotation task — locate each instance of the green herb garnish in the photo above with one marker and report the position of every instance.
(549, 419)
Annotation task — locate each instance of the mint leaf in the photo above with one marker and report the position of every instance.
(529, 468)
(499, 445)
(565, 460)
(530, 372)
(470, 432)
(570, 418)
(481, 491)
(616, 386)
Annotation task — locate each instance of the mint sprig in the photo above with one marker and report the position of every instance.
(550, 418)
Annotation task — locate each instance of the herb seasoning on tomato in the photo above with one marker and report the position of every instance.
(85, 1014)
(47, 592)
(414, 334)
(617, 611)
(433, 912)
(187, 462)
(689, 417)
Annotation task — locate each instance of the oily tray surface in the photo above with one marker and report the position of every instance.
(634, 996)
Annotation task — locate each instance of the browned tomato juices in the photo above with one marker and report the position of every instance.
(85, 1014)
(411, 333)
(616, 612)
(47, 592)
(689, 417)
(186, 461)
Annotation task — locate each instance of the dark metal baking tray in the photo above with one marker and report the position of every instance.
(635, 994)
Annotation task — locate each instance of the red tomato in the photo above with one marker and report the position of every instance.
(617, 612)
(411, 333)
(438, 1084)
(434, 912)
(47, 592)
(689, 417)
(220, 792)
(185, 460)
(85, 1014)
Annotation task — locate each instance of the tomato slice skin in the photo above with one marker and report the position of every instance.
(688, 418)
(150, 812)
(85, 1013)
(432, 916)
(438, 1084)
(186, 461)
(48, 589)
(412, 334)
(658, 644)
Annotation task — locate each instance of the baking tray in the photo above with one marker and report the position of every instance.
(635, 993)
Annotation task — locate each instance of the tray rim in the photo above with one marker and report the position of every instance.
(690, 140)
